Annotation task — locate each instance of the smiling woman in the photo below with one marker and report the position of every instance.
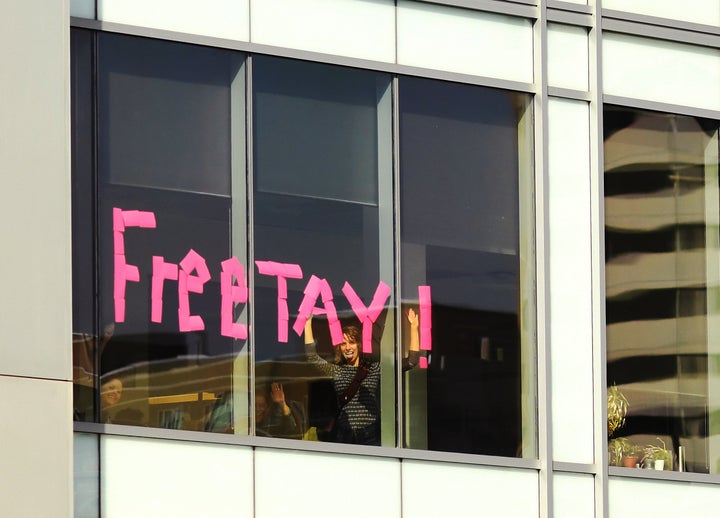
(356, 381)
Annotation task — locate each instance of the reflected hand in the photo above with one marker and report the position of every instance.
(413, 318)
(277, 394)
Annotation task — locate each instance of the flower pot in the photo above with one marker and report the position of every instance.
(659, 464)
(630, 461)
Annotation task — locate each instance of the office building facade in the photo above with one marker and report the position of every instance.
(491, 226)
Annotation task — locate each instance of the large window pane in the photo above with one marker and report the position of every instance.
(164, 227)
(466, 219)
(322, 184)
(663, 282)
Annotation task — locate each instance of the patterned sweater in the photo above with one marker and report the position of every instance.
(359, 420)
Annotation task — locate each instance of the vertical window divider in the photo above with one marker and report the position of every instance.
(597, 221)
(96, 218)
(400, 406)
(250, 238)
(542, 261)
(96, 258)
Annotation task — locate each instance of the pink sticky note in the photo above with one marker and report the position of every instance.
(378, 302)
(137, 218)
(315, 287)
(282, 288)
(161, 272)
(118, 243)
(194, 261)
(124, 272)
(423, 362)
(425, 299)
(367, 316)
(230, 295)
(283, 272)
(119, 309)
(355, 302)
(282, 325)
(367, 329)
(312, 291)
(189, 322)
(119, 278)
(291, 271)
(187, 284)
(130, 218)
(425, 339)
(118, 221)
(146, 220)
(132, 273)
(326, 292)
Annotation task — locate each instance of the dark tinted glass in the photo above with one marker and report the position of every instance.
(85, 332)
(321, 148)
(460, 169)
(164, 149)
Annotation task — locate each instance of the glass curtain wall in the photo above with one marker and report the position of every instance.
(662, 275)
(251, 289)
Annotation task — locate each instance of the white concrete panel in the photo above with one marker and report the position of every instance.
(573, 495)
(36, 465)
(696, 11)
(217, 18)
(570, 280)
(630, 498)
(436, 489)
(320, 485)
(152, 477)
(567, 56)
(86, 480)
(355, 28)
(35, 311)
(469, 42)
(662, 71)
(82, 8)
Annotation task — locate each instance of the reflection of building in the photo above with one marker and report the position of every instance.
(661, 242)
(533, 274)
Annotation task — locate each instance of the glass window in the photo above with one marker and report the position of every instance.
(218, 293)
(164, 227)
(466, 227)
(662, 282)
(322, 209)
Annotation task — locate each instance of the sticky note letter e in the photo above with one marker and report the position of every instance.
(230, 295)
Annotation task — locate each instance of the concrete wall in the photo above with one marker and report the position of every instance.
(35, 311)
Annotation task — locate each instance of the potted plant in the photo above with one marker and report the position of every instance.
(617, 409)
(657, 457)
(631, 455)
(616, 450)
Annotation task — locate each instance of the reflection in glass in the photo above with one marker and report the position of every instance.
(466, 220)
(322, 180)
(165, 129)
(662, 284)
(84, 338)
